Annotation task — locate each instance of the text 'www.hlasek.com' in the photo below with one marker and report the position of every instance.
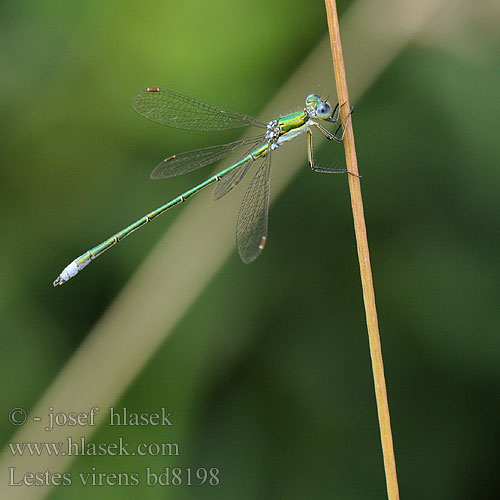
(51, 455)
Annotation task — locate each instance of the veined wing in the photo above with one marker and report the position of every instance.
(183, 163)
(180, 111)
(231, 180)
(251, 228)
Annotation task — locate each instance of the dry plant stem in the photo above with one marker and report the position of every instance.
(364, 258)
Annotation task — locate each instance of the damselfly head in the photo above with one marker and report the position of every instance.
(313, 100)
(320, 108)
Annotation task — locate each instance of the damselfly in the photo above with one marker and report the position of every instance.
(179, 111)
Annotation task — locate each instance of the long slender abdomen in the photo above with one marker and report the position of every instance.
(84, 260)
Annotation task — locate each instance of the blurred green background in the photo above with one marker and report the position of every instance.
(268, 375)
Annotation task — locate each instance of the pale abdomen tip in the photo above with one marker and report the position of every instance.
(67, 273)
(58, 281)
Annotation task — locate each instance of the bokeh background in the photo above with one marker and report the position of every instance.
(268, 373)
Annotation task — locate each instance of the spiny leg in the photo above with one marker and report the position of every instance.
(317, 168)
(334, 119)
(336, 113)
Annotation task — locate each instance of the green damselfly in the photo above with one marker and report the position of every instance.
(179, 111)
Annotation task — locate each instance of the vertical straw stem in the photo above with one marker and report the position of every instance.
(364, 257)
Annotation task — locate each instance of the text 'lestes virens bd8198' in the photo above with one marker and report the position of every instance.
(179, 111)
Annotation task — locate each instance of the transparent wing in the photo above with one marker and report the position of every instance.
(233, 178)
(251, 228)
(180, 111)
(192, 160)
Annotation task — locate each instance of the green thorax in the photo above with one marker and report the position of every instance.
(292, 121)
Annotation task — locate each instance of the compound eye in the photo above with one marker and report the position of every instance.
(312, 99)
(324, 110)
